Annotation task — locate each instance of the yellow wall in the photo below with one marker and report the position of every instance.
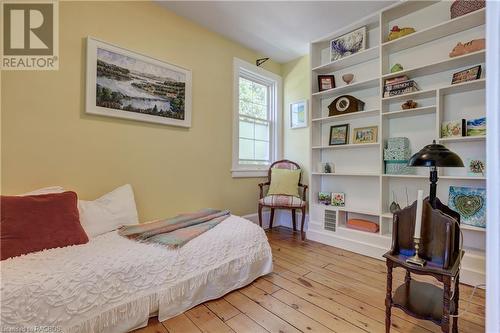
(296, 86)
(47, 139)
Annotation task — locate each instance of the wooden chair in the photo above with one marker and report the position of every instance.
(283, 201)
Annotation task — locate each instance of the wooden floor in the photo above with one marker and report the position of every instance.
(314, 288)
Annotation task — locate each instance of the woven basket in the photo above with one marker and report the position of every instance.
(462, 7)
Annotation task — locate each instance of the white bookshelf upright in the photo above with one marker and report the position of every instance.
(359, 168)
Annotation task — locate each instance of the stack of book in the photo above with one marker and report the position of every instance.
(399, 86)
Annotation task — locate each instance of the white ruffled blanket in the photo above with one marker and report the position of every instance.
(113, 284)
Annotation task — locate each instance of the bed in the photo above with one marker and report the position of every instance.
(113, 284)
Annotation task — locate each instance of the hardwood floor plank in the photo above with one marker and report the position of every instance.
(243, 324)
(329, 320)
(265, 318)
(265, 285)
(180, 324)
(222, 309)
(282, 310)
(317, 288)
(330, 303)
(206, 320)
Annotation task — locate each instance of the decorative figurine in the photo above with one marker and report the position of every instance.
(409, 104)
(469, 47)
(394, 205)
(397, 32)
(396, 68)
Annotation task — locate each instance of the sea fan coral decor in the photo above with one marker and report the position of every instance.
(348, 44)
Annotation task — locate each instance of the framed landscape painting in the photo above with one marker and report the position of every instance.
(126, 84)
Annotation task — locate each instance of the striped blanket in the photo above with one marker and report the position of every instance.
(177, 231)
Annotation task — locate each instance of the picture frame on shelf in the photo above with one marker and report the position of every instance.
(299, 114)
(453, 128)
(476, 167)
(365, 135)
(324, 198)
(470, 203)
(466, 75)
(348, 44)
(338, 199)
(476, 127)
(339, 135)
(326, 82)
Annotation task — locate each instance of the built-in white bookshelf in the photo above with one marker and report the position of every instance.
(359, 168)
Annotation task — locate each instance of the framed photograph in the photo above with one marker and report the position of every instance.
(476, 167)
(326, 82)
(348, 44)
(470, 74)
(339, 135)
(338, 199)
(324, 198)
(476, 127)
(299, 114)
(470, 203)
(365, 134)
(453, 128)
(130, 85)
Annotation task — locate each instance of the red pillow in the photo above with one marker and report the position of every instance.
(37, 222)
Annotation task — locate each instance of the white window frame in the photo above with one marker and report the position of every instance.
(245, 69)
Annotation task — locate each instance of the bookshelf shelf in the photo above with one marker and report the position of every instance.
(410, 112)
(438, 101)
(353, 115)
(437, 31)
(352, 60)
(366, 84)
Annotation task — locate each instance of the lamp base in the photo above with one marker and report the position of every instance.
(416, 260)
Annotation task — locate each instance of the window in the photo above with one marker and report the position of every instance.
(256, 134)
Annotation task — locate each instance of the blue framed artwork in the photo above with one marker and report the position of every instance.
(470, 203)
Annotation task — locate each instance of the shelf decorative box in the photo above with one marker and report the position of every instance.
(398, 167)
(392, 154)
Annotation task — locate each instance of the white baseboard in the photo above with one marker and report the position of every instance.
(282, 218)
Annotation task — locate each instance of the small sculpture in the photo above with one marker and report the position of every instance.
(394, 207)
(397, 32)
(396, 68)
(348, 78)
(469, 47)
(409, 104)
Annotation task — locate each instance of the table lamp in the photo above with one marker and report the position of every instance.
(434, 156)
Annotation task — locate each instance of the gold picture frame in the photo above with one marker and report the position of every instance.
(362, 135)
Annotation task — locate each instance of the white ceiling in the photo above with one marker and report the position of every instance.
(281, 30)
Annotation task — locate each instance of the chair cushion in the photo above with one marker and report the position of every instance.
(37, 222)
(282, 201)
(284, 182)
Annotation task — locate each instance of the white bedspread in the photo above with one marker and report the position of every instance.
(113, 284)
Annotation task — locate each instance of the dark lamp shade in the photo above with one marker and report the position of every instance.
(435, 155)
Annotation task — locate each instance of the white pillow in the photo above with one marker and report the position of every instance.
(45, 190)
(110, 211)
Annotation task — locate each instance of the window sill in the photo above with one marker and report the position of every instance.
(249, 173)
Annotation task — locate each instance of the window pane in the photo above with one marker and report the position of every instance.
(262, 131)
(246, 129)
(246, 108)
(261, 150)
(246, 149)
(245, 89)
(260, 111)
(259, 94)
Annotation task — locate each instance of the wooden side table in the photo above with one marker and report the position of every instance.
(420, 299)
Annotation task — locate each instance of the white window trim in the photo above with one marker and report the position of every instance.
(237, 170)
